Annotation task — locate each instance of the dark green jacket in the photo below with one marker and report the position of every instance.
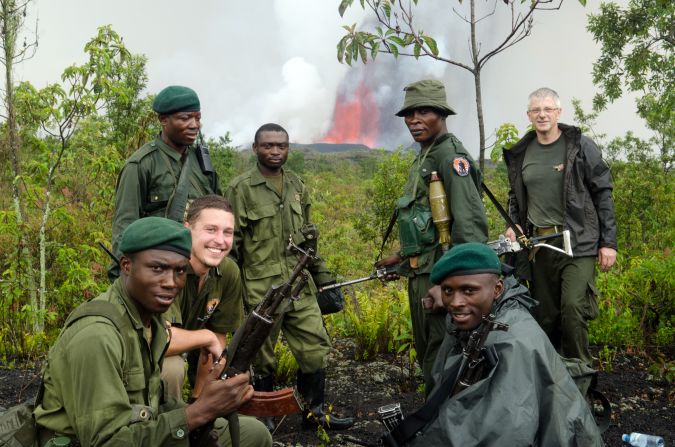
(588, 208)
(147, 182)
(527, 399)
(103, 386)
(469, 221)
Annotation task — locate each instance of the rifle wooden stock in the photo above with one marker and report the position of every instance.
(272, 403)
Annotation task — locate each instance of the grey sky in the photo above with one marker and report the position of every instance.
(274, 60)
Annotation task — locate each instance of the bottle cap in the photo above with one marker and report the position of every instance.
(625, 438)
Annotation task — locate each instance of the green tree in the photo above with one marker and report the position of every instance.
(637, 56)
(109, 81)
(399, 33)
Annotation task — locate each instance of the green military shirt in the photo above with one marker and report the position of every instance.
(218, 306)
(100, 391)
(461, 180)
(147, 182)
(264, 220)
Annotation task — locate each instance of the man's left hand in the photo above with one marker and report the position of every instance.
(606, 258)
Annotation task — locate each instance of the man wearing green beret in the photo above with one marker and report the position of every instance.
(425, 111)
(102, 380)
(164, 175)
(211, 303)
(522, 394)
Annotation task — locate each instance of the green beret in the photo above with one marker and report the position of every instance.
(466, 259)
(426, 93)
(174, 99)
(158, 233)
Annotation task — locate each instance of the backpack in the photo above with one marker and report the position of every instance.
(17, 424)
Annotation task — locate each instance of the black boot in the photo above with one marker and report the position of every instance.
(265, 383)
(312, 389)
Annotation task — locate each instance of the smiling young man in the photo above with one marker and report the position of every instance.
(559, 181)
(526, 397)
(211, 303)
(270, 204)
(425, 111)
(102, 376)
(164, 175)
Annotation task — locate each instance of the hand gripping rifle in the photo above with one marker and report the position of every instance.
(505, 245)
(246, 344)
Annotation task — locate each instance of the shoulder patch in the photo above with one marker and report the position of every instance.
(461, 166)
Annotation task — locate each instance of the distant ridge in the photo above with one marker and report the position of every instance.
(331, 147)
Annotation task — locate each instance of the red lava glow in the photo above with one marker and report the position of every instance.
(355, 119)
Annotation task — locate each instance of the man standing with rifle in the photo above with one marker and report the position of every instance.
(163, 176)
(499, 381)
(425, 111)
(559, 181)
(270, 204)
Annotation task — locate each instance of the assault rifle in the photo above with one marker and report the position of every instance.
(246, 344)
(506, 245)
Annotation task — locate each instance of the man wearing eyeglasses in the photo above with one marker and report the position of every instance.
(559, 181)
(270, 204)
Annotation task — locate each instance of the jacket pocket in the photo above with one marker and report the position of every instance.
(263, 222)
(591, 308)
(416, 228)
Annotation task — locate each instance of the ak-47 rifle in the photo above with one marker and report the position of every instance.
(247, 342)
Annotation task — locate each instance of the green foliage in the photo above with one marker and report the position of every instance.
(606, 358)
(637, 56)
(384, 186)
(507, 136)
(287, 367)
(378, 322)
(636, 305)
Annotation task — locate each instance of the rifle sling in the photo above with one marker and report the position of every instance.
(176, 208)
(502, 211)
(387, 232)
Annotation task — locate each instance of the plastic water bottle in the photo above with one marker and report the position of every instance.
(642, 440)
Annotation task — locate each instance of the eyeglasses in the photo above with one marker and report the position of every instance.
(268, 146)
(546, 110)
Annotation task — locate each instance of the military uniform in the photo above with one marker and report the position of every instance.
(148, 180)
(102, 384)
(461, 181)
(218, 306)
(264, 220)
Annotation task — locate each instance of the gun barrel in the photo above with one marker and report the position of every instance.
(347, 283)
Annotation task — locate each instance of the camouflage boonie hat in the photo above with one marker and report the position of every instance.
(176, 98)
(426, 93)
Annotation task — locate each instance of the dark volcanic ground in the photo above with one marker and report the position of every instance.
(639, 402)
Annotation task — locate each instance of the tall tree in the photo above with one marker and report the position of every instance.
(637, 56)
(400, 34)
(109, 82)
(12, 26)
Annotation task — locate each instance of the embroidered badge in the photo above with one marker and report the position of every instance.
(210, 308)
(559, 168)
(461, 166)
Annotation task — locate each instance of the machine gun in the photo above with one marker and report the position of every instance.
(246, 344)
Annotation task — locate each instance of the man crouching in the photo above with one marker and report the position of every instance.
(527, 397)
(102, 380)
